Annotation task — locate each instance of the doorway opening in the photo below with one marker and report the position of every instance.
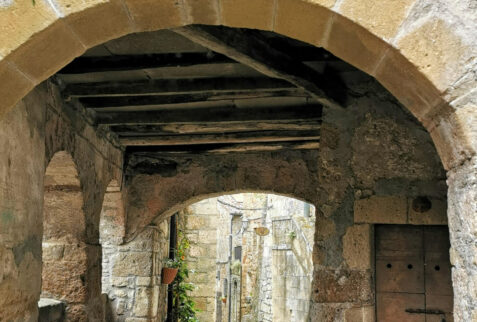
(64, 254)
(249, 257)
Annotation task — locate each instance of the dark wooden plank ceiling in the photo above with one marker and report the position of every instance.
(207, 90)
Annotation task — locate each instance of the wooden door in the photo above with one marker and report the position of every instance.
(413, 279)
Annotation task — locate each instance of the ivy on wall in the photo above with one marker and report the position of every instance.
(184, 306)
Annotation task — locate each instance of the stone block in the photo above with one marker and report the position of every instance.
(204, 290)
(142, 301)
(47, 52)
(455, 135)
(382, 18)
(208, 236)
(119, 281)
(52, 252)
(125, 264)
(355, 45)
(338, 286)
(196, 222)
(108, 20)
(357, 243)
(437, 215)
(202, 11)
(381, 210)
(16, 87)
(418, 95)
(142, 242)
(256, 14)
(360, 314)
(64, 280)
(149, 15)
(302, 20)
(143, 281)
(20, 20)
(439, 53)
(204, 207)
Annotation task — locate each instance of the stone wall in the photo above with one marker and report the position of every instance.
(375, 151)
(30, 135)
(132, 276)
(199, 224)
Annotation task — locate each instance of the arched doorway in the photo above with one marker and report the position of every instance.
(64, 254)
(249, 257)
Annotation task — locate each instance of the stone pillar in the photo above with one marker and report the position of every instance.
(21, 180)
(135, 290)
(462, 216)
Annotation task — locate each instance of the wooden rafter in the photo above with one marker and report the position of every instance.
(251, 50)
(224, 148)
(175, 87)
(219, 114)
(242, 137)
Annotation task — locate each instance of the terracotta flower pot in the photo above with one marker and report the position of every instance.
(168, 274)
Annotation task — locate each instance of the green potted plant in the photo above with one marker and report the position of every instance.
(169, 270)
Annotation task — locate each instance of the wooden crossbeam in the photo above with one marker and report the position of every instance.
(178, 99)
(243, 137)
(217, 114)
(250, 49)
(214, 127)
(223, 148)
(175, 87)
(83, 65)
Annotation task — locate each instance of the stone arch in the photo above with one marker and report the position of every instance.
(65, 260)
(421, 58)
(420, 51)
(160, 195)
(261, 266)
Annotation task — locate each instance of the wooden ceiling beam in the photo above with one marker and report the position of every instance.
(178, 99)
(218, 114)
(222, 138)
(222, 148)
(175, 87)
(214, 127)
(252, 50)
(83, 65)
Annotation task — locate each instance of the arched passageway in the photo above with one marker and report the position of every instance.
(249, 257)
(423, 57)
(64, 256)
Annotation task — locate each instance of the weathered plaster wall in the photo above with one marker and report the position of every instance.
(29, 136)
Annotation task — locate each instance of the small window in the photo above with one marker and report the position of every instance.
(238, 253)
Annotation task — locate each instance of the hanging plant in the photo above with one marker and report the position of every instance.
(170, 270)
